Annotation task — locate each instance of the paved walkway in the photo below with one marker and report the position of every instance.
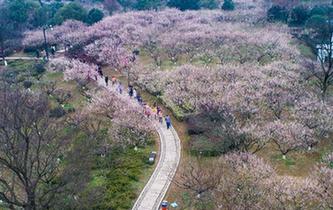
(22, 58)
(153, 193)
(158, 184)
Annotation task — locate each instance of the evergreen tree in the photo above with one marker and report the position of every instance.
(185, 4)
(228, 5)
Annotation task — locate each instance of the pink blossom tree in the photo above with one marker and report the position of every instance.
(290, 136)
(77, 70)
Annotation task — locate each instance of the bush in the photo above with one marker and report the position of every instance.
(298, 16)
(72, 11)
(57, 112)
(185, 4)
(208, 4)
(147, 4)
(61, 95)
(94, 16)
(39, 69)
(69, 108)
(27, 84)
(277, 13)
(228, 5)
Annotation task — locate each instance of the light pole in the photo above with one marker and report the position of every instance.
(45, 43)
(45, 40)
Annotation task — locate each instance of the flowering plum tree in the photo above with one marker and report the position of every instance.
(110, 51)
(77, 70)
(289, 136)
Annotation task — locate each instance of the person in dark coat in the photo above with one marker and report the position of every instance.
(106, 80)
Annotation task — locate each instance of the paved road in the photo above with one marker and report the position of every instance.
(153, 193)
(158, 184)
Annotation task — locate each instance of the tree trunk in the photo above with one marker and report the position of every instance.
(3, 51)
(31, 201)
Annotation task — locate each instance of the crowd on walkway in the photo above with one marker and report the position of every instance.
(154, 113)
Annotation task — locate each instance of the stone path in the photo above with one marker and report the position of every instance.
(158, 184)
(22, 58)
(169, 156)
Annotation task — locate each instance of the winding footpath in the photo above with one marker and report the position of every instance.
(156, 188)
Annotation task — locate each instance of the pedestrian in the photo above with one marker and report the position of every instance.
(160, 117)
(100, 72)
(134, 93)
(147, 110)
(130, 90)
(120, 88)
(168, 121)
(53, 50)
(114, 80)
(154, 110)
(106, 80)
(158, 110)
(139, 98)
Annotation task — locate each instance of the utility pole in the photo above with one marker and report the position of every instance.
(44, 32)
(45, 43)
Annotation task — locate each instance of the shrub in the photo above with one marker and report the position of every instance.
(94, 16)
(61, 95)
(57, 112)
(147, 4)
(228, 5)
(277, 13)
(208, 4)
(72, 11)
(69, 108)
(298, 16)
(27, 84)
(185, 4)
(39, 69)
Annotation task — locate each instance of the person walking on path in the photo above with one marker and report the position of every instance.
(158, 110)
(106, 80)
(130, 90)
(139, 98)
(134, 93)
(168, 121)
(100, 72)
(120, 88)
(114, 80)
(154, 110)
(160, 116)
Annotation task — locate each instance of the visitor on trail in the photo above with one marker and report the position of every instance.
(106, 80)
(114, 80)
(158, 110)
(147, 110)
(168, 121)
(120, 88)
(130, 90)
(138, 97)
(100, 72)
(53, 50)
(134, 93)
(160, 116)
(155, 112)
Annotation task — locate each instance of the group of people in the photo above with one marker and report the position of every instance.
(154, 112)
